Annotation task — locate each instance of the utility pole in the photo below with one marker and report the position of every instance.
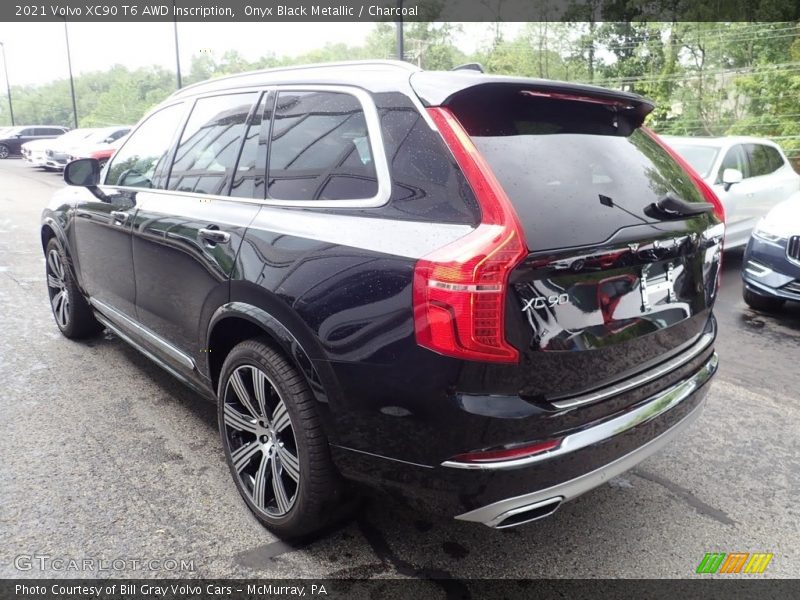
(71, 80)
(399, 25)
(177, 53)
(8, 83)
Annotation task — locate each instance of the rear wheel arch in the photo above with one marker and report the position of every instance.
(236, 322)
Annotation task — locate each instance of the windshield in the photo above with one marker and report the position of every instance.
(700, 157)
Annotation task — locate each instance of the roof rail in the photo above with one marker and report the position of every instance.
(396, 64)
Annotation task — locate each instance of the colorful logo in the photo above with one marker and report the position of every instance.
(734, 562)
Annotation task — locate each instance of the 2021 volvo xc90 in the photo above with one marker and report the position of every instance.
(485, 294)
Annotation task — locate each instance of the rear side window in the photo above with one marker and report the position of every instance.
(144, 153)
(576, 172)
(763, 159)
(775, 158)
(320, 148)
(209, 146)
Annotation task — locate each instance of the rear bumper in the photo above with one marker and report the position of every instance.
(541, 503)
(518, 492)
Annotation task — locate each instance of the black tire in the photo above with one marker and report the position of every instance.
(259, 443)
(759, 302)
(4, 151)
(71, 311)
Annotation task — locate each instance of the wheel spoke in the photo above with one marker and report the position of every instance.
(55, 264)
(260, 483)
(260, 385)
(56, 300)
(281, 499)
(242, 394)
(280, 417)
(241, 456)
(236, 420)
(289, 462)
(54, 282)
(65, 309)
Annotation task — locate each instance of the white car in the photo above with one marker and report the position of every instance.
(750, 176)
(33, 152)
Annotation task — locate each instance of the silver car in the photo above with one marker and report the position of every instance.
(749, 175)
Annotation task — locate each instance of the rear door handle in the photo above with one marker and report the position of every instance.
(120, 215)
(215, 236)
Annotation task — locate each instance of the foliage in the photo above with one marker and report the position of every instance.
(706, 78)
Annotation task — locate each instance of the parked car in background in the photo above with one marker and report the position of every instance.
(101, 152)
(771, 265)
(35, 152)
(486, 294)
(12, 139)
(58, 153)
(749, 175)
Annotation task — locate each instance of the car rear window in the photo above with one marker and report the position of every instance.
(575, 171)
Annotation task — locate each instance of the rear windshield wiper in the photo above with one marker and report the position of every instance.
(671, 207)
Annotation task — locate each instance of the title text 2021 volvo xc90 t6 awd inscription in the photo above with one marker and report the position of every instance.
(484, 294)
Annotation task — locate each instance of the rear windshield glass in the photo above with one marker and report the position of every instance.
(576, 172)
(700, 157)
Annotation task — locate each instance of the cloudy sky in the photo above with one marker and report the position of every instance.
(36, 51)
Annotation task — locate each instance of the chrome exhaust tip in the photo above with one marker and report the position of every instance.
(526, 514)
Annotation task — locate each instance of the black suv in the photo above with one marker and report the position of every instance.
(484, 294)
(12, 139)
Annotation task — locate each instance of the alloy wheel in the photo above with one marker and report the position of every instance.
(261, 441)
(3, 151)
(57, 286)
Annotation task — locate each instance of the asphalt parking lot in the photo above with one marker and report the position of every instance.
(104, 455)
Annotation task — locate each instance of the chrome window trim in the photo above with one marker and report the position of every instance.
(656, 406)
(373, 130)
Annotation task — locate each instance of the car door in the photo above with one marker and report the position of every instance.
(103, 220)
(766, 183)
(738, 197)
(185, 239)
(24, 135)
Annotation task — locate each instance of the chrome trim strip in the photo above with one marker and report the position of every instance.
(655, 407)
(494, 513)
(651, 374)
(114, 315)
(376, 146)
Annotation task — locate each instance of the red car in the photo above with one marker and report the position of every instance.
(101, 152)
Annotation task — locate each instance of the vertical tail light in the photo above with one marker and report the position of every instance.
(459, 290)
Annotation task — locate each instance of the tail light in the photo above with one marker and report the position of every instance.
(704, 188)
(505, 454)
(459, 291)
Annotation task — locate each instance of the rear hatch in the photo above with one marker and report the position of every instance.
(623, 247)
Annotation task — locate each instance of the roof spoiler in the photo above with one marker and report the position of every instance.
(443, 88)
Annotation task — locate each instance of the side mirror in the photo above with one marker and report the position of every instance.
(84, 172)
(730, 177)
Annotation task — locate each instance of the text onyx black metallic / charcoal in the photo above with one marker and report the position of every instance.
(486, 295)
